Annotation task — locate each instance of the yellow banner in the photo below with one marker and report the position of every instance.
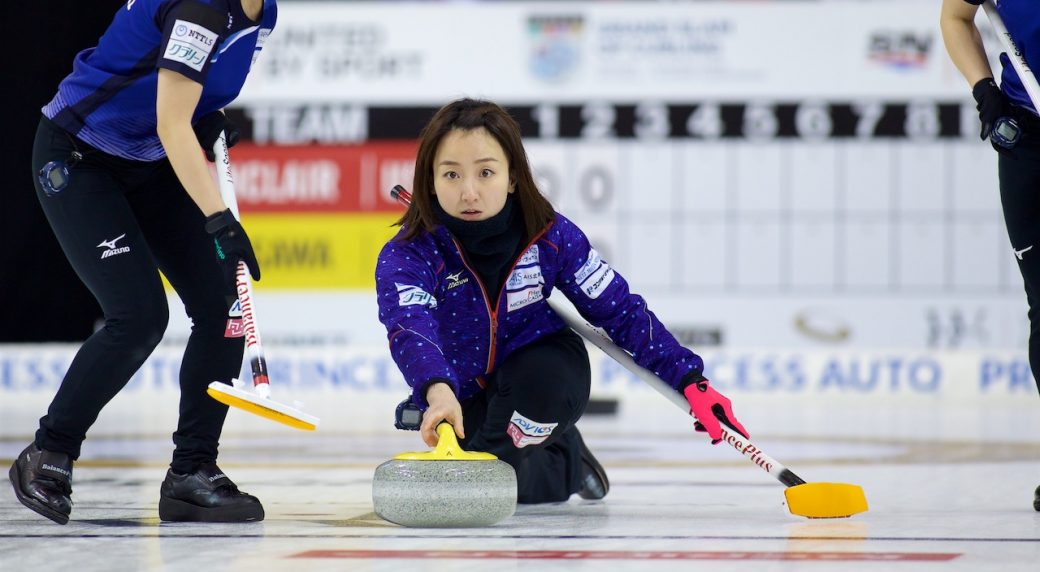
(318, 251)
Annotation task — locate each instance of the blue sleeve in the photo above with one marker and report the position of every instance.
(405, 285)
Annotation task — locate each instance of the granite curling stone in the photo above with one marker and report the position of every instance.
(444, 488)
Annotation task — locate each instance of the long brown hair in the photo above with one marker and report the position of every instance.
(468, 114)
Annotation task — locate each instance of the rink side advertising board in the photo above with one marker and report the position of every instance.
(633, 555)
(970, 377)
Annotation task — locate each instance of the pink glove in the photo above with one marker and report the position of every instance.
(710, 407)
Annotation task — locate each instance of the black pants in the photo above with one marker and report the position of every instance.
(119, 222)
(1020, 198)
(541, 384)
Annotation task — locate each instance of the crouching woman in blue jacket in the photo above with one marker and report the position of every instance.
(463, 291)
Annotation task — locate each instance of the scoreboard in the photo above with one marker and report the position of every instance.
(647, 121)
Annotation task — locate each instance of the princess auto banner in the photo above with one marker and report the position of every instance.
(321, 373)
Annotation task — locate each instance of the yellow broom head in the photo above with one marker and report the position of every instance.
(264, 407)
(826, 500)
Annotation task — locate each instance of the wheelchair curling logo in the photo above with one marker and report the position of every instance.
(555, 43)
(112, 250)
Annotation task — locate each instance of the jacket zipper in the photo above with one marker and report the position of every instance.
(493, 313)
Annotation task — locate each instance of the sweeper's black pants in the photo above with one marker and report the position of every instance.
(1019, 172)
(527, 413)
(119, 222)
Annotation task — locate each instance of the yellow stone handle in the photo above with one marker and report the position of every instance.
(447, 449)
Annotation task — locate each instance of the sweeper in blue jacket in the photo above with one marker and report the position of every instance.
(124, 185)
(462, 291)
(1010, 121)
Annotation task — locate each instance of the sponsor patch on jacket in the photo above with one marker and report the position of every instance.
(190, 44)
(591, 265)
(517, 300)
(524, 277)
(408, 295)
(598, 282)
(525, 432)
(530, 256)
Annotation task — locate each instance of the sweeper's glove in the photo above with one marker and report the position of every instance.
(990, 103)
(232, 245)
(993, 107)
(709, 407)
(208, 128)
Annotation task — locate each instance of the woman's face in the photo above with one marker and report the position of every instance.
(471, 175)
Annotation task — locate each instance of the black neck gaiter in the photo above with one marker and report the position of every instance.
(489, 245)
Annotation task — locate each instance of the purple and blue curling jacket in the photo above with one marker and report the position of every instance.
(441, 324)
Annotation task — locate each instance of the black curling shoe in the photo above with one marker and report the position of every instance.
(594, 482)
(207, 495)
(1036, 500)
(43, 482)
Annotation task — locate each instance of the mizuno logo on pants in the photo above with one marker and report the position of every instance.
(112, 250)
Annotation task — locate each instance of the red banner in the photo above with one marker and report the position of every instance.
(326, 179)
(776, 556)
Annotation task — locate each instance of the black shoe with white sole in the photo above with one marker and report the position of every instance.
(42, 481)
(207, 495)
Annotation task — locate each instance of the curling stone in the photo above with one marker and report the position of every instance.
(444, 488)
